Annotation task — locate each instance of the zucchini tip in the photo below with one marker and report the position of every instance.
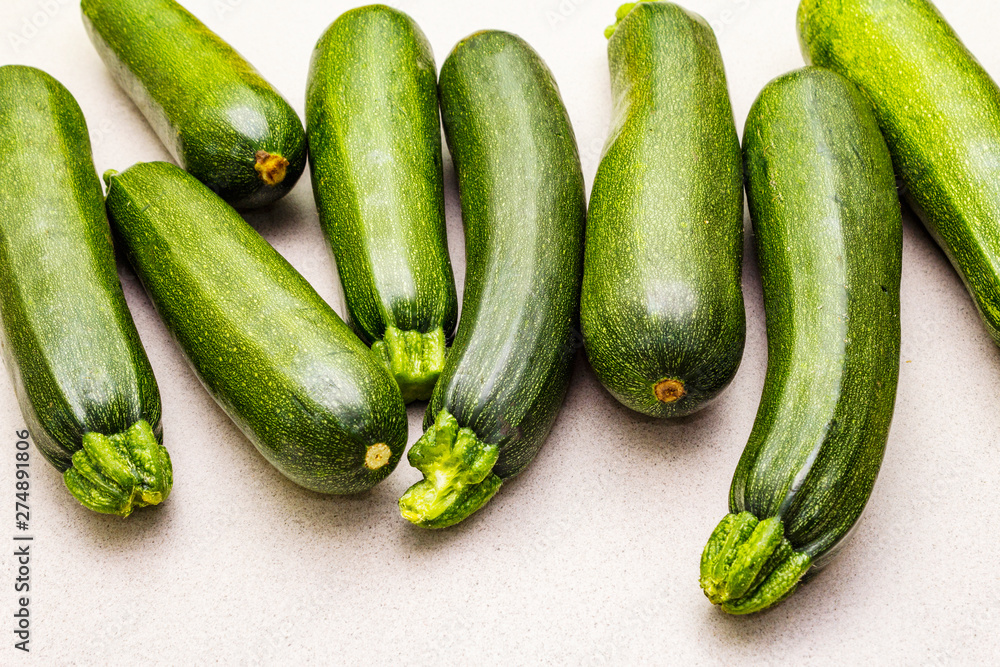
(620, 15)
(272, 168)
(458, 475)
(377, 456)
(669, 390)
(414, 359)
(748, 565)
(115, 474)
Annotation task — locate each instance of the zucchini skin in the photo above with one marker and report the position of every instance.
(523, 208)
(282, 364)
(826, 218)
(78, 367)
(662, 308)
(375, 150)
(212, 110)
(940, 113)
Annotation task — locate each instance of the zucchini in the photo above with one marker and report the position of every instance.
(662, 309)
(940, 114)
(523, 207)
(295, 379)
(375, 150)
(82, 379)
(212, 110)
(829, 241)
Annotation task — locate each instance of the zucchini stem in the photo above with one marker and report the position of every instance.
(415, 359)
(748, 565)
(619, 17)
(114, 474)
(458, 475)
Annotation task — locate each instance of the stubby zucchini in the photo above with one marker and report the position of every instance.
(940, 114)
(295, 379)
(82, 379)
(212, 110)
(375, 148)
(662, 306)
(523, 206)
(827, 224)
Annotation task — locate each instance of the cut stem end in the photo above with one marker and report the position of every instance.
(377, 456)
(622, 12)
(114, 474)
(414, 359)
(458, 475)
(748, 565)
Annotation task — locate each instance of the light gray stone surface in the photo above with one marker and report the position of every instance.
(589, 557)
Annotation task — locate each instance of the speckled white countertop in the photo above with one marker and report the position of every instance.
(591, 555)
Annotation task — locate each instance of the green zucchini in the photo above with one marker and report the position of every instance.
(940, 114)
(82, 379)
(295, 379)
(375, 150)
(827, 224)
(662, 309)
(523, 206)
(212, 110)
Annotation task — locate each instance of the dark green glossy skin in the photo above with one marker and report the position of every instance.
(375, 139)
(523, 207)
(829, 241)
(69, 342)
(211, 109)
(276, 357)
(375, 150)
(662, 295)
(940, 113)
(826, 219)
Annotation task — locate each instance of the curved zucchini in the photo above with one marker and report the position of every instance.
(212, 110)
(662, 305)
(308, 394)
(82, 379)
(375, 150)
(829, 240)
(523, 206)
(940, 114)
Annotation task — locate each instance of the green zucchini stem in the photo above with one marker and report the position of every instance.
(415, 359)
(748, 565)
(114, 474)
(619, 17)
(458, 475)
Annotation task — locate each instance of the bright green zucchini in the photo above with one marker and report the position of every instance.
(375, 150)
(295, 379)
(212, 110)
(523, 206)
(829, 241)
(662, 305)
(81, 376)
(940, 114)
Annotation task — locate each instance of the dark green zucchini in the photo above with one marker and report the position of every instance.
(212, 110)
(375, 149)
(829, 241)
(523, 206)
(662, 305)
(81, 376)
(939, 111)
(295, 379)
